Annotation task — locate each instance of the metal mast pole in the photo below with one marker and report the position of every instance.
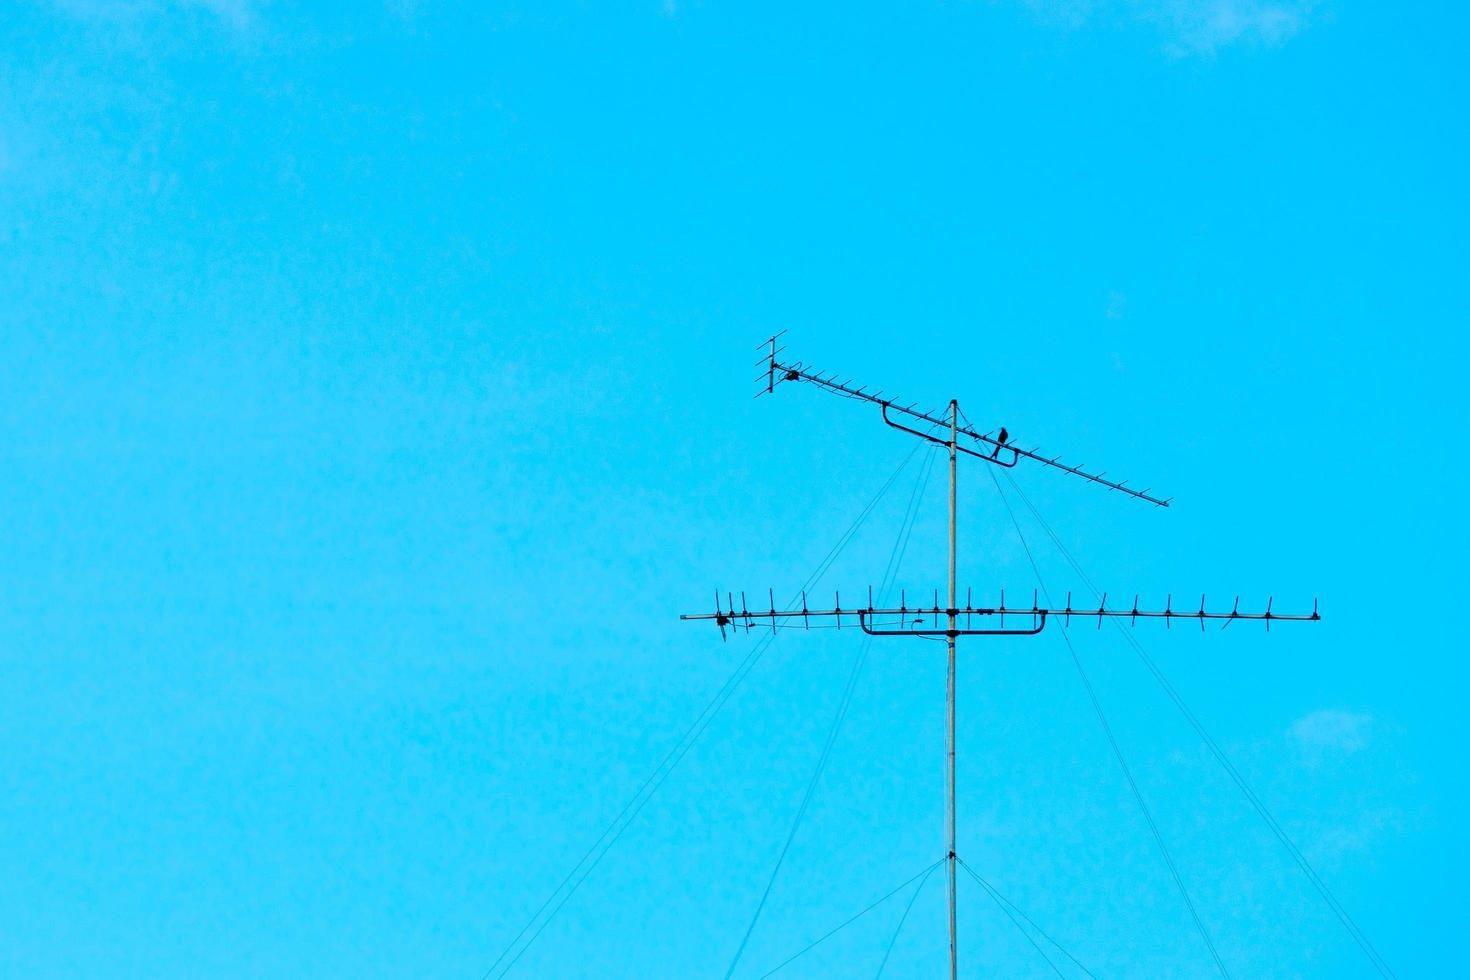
(954, 416)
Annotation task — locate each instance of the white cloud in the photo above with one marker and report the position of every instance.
(1359, 833)
(1331, 731)
(237, 14)
(1205, 26)
(1190, 27)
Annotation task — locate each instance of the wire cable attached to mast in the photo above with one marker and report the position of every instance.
(895, 559)
(1255, 801)
(1118, 751)
(671, 760)
(1008, 907)
(1014, 921)
(893, 939)
(815, 943)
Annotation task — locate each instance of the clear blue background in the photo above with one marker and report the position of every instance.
(376, 393)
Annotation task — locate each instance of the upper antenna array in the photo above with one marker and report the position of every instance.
(1002, 451)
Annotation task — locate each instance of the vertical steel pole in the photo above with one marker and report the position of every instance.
(954, 424)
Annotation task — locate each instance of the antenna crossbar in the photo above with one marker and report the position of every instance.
(1001, 451)
(900, 620)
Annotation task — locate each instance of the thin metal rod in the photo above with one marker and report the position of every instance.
(799, 372)
(741, 616)
(954, 424)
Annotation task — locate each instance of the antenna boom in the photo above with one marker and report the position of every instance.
(779, 372)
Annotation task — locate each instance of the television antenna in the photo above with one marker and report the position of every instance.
(924, 621)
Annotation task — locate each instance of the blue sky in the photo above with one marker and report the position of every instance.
(377, 394)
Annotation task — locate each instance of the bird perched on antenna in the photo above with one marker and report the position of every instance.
(1000, 440)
